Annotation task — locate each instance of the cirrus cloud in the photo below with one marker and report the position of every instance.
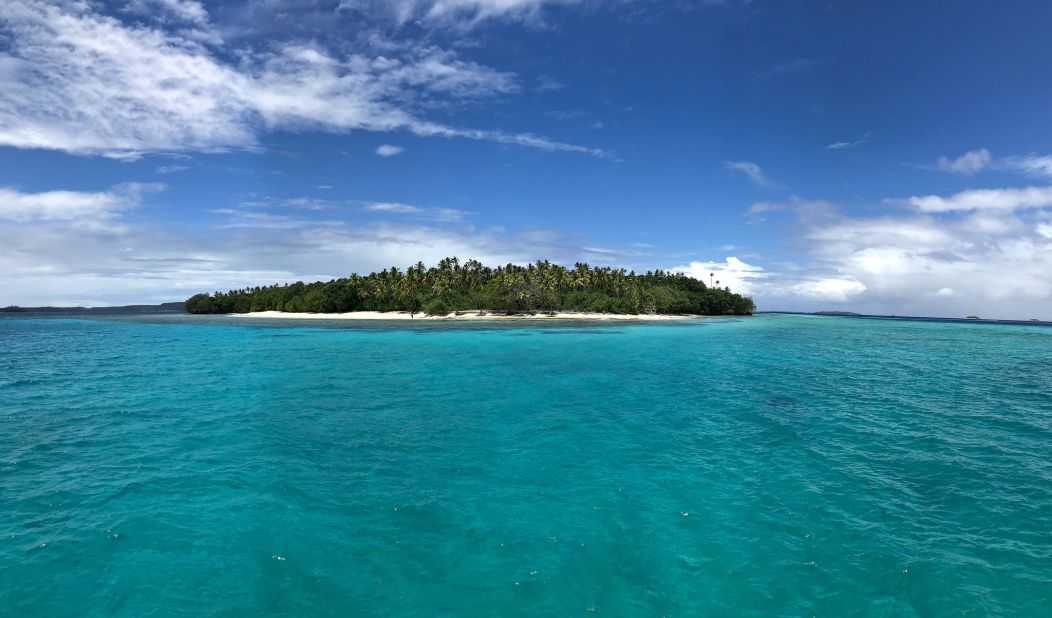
(461, 14)
(82, 82)
(752, 171)
(848, 145)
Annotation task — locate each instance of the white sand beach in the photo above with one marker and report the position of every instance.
(462, 315)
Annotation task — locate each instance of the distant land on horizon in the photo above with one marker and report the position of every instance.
(172, 307)
(929, 318)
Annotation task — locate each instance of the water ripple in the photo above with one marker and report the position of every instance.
(781, 465)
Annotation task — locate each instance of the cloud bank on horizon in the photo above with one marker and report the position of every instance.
(151, 149)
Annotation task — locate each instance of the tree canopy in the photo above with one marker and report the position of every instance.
(453, 285)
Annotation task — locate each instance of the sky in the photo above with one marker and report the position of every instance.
(888, 157)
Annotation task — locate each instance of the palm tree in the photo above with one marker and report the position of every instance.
(547, 288)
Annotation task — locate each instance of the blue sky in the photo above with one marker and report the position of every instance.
(875, 156)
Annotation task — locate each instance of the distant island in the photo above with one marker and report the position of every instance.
(175, 307)
(453, 287)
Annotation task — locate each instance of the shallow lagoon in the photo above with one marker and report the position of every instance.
(775, 465)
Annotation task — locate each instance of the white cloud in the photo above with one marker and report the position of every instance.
(81, 82)
(248, 219)
(450, 215)
(846, 145)
(69, 247)
(732, 272)
(548, 84)
(975, 161)
(73, 206)
(457, 13)
(986, 253)
(189, 11)
(482, 9)
(387, 150)
(758, 211)
(53, 265)
(393, 207)
(297, 203)
(935, 264)
(463, 15)
(985, 199)
(49, 262)
(767, 286)
(1032, 165)
(328, 206)
(829, 289)
(753, 171)
(968, 163)
(446, 215)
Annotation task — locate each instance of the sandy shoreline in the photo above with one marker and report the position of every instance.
(464, 315)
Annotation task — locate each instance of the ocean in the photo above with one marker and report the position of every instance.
(778, 465)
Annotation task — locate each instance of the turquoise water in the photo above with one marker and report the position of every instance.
(768, 466)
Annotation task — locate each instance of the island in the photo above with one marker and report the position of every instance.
(470, 289)
(163, 308)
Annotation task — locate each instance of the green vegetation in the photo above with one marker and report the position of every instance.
(453, 286)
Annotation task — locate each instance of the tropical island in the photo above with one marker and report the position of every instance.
(454, 287)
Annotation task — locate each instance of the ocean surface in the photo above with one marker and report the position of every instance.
(779, 465)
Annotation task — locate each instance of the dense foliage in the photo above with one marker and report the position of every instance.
(452, 286)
